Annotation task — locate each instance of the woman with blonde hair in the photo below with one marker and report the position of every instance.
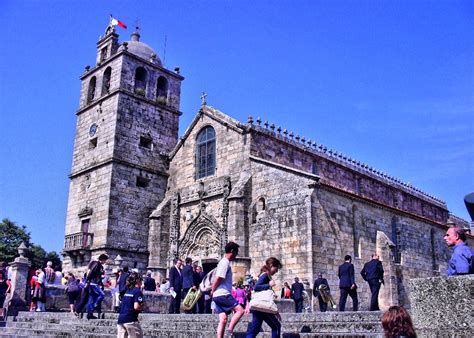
(265, 282)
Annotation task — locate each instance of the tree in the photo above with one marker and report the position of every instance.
(36, 254)
(11, 238)
(55, 259)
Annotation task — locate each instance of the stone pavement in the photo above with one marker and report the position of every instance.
(60, 324)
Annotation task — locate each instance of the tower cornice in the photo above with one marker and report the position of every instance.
(123, 52)
(129, 93)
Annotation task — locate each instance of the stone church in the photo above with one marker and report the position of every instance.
(145, 195)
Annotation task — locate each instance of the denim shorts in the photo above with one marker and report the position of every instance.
(225, 303)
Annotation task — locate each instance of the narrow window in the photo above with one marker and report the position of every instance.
(314, 168)
(162, 90)
(106, 81)
(396, 239)
(434, 262)
(91, 90)
(103, 54)
(355, 233)
(93, 143)
(146, 142)
(140, 81)
(206, 152)
(85, 225)
(85, 231)
(142, 182)
(261, 204)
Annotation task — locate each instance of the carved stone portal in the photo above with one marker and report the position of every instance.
(202, 240)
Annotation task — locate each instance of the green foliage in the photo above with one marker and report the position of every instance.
(10, 240)
(36, 254)
(55, 259)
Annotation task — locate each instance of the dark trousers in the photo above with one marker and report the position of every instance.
(82, 301)
(323, 306)
(353, 294)
(298, 305)
(374, 285)
(199, 306)
(256, 324)
(175, 302)
(96, 295)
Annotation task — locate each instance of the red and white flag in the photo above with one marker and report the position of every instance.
(115, 22)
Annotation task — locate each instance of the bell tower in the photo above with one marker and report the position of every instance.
(127, 122)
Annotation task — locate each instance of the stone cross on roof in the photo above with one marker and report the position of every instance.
(203, 98)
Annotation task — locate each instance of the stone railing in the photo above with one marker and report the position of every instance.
(77, 241)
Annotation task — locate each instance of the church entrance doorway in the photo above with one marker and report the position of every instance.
(209, 264)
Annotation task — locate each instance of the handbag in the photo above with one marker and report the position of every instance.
(264, 301)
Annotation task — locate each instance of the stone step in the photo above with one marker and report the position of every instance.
(314, 317)
(357, 324)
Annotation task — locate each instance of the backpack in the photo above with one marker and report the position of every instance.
(206, 284)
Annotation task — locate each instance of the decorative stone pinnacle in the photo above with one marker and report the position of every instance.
(272, 126)
(279, 130)
(259, 121)
(303, 139)
(292, 135)
(250, 119)
(118, 260)
(297, 137)
(285, 132)
(266, 124)
(22, 250)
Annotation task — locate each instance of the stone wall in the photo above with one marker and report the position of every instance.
(443, 306)
(345, 174)
(344, 225)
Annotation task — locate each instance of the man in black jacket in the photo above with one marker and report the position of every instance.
(373, 274)
(323, 306)
(297, 289)
(347, 284)
(176, 285)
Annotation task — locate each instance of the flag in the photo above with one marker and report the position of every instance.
(115, 22)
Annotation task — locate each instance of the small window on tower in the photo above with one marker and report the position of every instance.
(162, 90)
(140, 81)
(146, 142)
(142, 182)
(103, 54)
(91, 90)
(93, 143)
(106, 81)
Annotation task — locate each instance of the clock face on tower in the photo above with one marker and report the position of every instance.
(92, 129)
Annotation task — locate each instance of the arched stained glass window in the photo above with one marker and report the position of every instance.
(206, 152)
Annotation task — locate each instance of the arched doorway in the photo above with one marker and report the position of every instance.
(208, 264)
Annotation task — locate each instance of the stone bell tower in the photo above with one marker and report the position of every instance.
(127, 120)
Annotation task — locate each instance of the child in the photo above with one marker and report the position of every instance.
(132, 301)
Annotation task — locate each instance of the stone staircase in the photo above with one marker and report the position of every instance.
(61, 324)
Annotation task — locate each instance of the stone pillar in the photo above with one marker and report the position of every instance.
(19, 297)
(388, 295)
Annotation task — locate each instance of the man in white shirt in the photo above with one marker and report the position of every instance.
(221, 292)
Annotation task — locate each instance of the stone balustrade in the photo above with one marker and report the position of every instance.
(78, 241)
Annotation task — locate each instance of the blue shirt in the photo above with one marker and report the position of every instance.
(127, 312)
(460, 260)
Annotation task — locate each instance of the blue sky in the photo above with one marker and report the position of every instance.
(389, 83)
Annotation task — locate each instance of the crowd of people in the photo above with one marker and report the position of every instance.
(223, 297)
